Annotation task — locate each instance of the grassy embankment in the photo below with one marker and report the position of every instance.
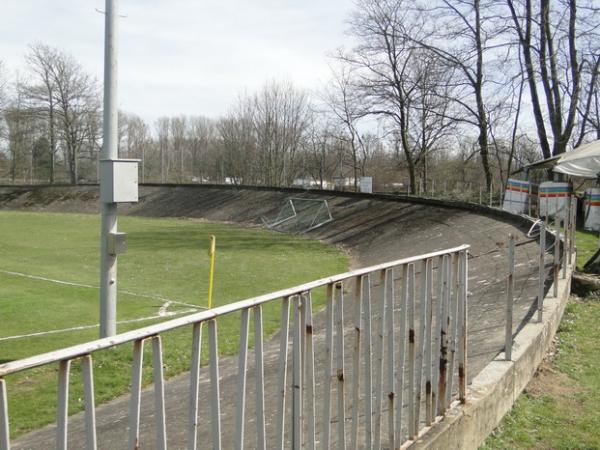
(167, 259)
(560, 408)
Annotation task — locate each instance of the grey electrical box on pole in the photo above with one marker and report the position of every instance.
(116, 243)
(118, 180)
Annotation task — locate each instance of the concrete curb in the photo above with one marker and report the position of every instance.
(494, 390)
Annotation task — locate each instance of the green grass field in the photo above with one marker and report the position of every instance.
(587, 244)
(166, 261)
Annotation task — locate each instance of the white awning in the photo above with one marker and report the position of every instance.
(582, 162)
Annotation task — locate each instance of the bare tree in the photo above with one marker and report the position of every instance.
(201, 135)
(67, 98)
(347, 109)
(162, 130)
(505, 126)
(262, 135)
(3, 86)
(134, 140)
(78, 102)
(464, 35)
(238, 161)
(319, 149)
(3, 128)
(42, 94)
(279, 116)
(178, 132)
(589, 112)
(398, 80)
(431, 118)
(21, 135)
(556, 39)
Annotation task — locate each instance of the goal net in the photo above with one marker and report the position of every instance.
(300, 215)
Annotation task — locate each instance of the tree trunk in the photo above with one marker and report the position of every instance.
(52, 141)
(483, 151)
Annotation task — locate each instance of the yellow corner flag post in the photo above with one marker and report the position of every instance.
(211, 255)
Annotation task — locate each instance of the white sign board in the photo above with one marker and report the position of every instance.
(592, 209)
(516, 196)
(553, 197)
(366, 185)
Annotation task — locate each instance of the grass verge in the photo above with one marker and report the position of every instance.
(560, 408)
(587, 244)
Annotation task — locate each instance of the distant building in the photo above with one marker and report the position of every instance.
(308, 183)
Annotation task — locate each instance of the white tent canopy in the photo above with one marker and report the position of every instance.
(582, 162)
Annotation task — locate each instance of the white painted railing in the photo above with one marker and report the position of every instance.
(563, 247)
(382, 373)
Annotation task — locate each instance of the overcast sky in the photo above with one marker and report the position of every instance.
(186, 56)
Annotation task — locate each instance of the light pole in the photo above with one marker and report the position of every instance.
(108, 261)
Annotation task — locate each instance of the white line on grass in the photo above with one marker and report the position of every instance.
(50, 280)
(162, 310)
(161, 314)
(89, 286)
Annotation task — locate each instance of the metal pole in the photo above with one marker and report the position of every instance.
(542, 271)
(565, 248)
(212, 249)
(509, 297)
(108, 263)
(297, 419)
(556, 261)
(462, 364)
(574, 225)
(568, 228)
(4, 427)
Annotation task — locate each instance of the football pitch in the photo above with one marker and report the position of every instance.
(49, 275)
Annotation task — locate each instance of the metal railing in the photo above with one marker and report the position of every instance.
(562, 247)
(378, 377)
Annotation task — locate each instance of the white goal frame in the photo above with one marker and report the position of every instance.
(289, 205)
